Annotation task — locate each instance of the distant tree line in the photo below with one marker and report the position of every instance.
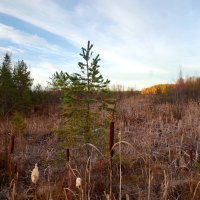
(158, 89)
(16, 92)
(183, 90)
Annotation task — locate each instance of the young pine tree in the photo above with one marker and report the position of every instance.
(84, 95)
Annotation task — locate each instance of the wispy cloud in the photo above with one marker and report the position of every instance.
(11, 50)
(45, 14)
(42, 71)
(26, 40)
(39, 72)
(150, 39)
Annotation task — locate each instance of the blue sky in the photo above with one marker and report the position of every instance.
(140, 42)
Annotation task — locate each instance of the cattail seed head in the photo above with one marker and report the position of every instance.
(68, 154)
(191, 156)
(111, 141)
(78, 182)
(35, 174)
(12, 144)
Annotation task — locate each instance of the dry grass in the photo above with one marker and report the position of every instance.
(159, 158)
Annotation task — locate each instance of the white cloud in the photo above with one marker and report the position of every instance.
(42, 71)
(11, 50)
(132, 36)
(25, 40)
(45, 14)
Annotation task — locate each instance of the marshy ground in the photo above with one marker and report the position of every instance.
(159, 158)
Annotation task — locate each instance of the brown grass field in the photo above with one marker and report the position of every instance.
(156, 156)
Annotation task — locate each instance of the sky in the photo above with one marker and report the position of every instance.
(140, 42)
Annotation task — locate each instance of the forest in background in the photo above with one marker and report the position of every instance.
(17, 92)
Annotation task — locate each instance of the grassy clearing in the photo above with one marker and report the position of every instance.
(156, 156)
